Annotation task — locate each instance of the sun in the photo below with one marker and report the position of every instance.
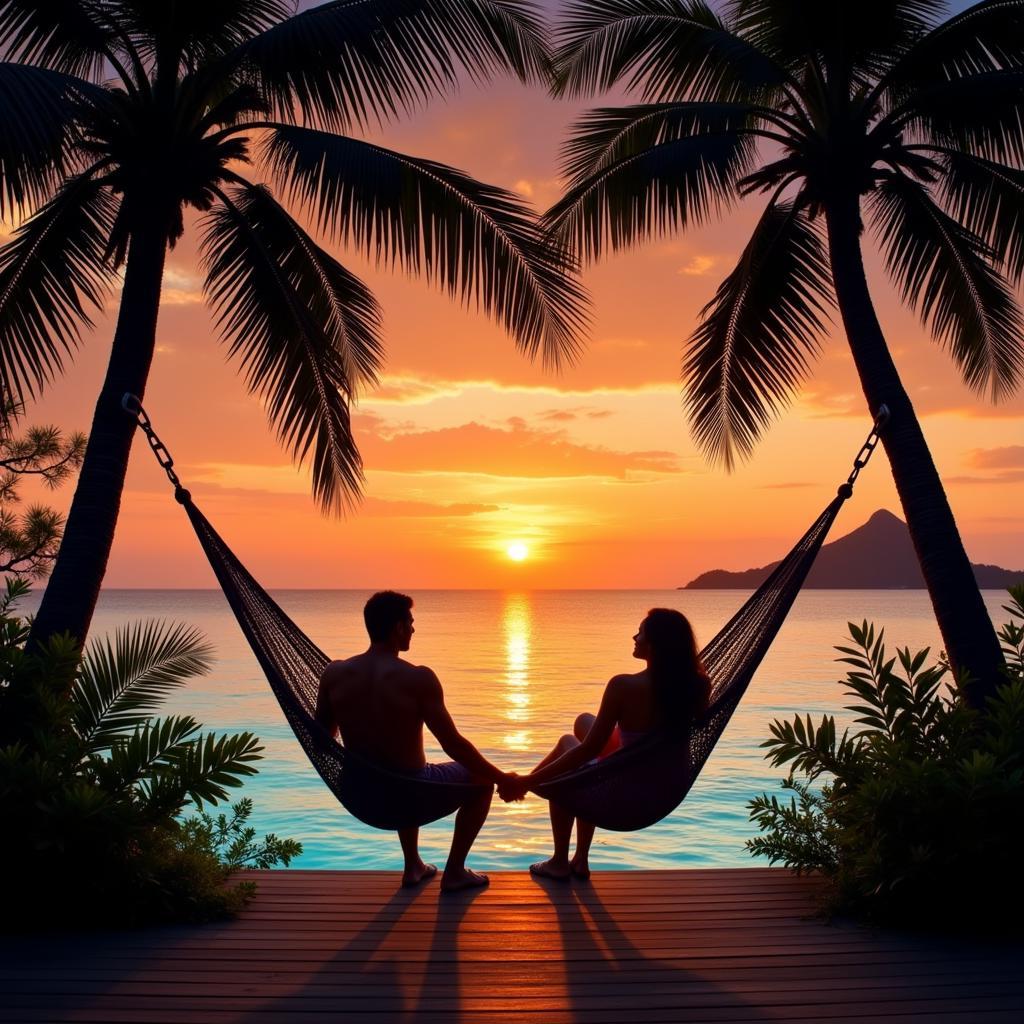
(517, 551)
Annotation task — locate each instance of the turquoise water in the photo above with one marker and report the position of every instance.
(517, 668)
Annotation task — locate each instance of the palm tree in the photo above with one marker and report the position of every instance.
(118, 117)
(834, 111)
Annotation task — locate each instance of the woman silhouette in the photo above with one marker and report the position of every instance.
(667, 695)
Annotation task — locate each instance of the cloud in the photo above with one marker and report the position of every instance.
(382, 508)
(416, 390)
(1010, 457)
(541, 192)
(515, 450)
(698, 266)
(398, 390)
(180, 288)
(1010, 476)
(572, 414)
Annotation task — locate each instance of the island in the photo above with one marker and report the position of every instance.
(876, 556)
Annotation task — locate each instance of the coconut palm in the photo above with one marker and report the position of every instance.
(836, 112)
(120, 117)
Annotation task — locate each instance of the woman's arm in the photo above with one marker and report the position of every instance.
(595, 742)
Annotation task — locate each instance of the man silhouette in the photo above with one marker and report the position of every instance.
(379, 704)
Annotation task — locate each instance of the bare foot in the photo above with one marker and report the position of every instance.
(580, 868)
(457, 881)
(551, 869)
(412, 877)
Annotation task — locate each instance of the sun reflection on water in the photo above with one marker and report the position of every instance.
(517, 626)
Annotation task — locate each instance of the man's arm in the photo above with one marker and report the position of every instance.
(324, 712)
(438, 720)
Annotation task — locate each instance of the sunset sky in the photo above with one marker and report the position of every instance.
(469, 448)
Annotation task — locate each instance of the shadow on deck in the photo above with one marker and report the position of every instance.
(662, 946)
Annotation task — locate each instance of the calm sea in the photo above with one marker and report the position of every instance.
(517, 668)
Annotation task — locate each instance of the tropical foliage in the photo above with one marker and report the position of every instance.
(30, 538)
(93, 787)
(834, 112)
(121, 121)
(911, 814)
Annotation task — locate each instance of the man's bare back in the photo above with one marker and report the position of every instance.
(379, 704)
(376, 702)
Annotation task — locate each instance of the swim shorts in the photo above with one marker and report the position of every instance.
(448, 771)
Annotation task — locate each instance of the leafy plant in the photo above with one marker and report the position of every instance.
(922, 802)
(233, 842)
(93, 787)
(29, 539)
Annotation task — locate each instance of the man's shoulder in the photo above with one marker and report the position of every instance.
(337, 669)
(422, 674)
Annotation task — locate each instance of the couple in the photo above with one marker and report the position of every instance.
(379, 703)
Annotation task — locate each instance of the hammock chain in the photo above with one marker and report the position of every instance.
(133, 406)
(866, 451)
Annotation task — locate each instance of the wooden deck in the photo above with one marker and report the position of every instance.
(630, 946)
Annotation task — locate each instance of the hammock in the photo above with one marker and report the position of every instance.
(631, 789)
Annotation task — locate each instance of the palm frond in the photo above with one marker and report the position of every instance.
(49, 271)
(147, 752)
(475, 240)
(860, 40)
(352, 61)
(988, 199)
(945, 272)
(124, 680)
(757, 335)
(674, 184)
(200, 29)
(604, 136)
(37, 114)
(204, 770)
(981, 114)
(66, 35)
(306, 330)
(988, 36)
(668, 49)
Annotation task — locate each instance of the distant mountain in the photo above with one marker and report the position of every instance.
(876, 556)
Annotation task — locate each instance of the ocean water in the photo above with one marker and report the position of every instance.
(517, 668)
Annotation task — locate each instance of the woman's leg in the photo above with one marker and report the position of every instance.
(565, 743)
(583, 724)
(580, 863)
(557, 866)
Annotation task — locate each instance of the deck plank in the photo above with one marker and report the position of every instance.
(662, 946)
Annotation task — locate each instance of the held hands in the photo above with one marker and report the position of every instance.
(513, 787)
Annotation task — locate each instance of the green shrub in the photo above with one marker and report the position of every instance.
(917, 818)
(93, 787)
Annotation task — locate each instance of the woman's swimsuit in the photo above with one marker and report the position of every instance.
(620, 738)
(628, 736)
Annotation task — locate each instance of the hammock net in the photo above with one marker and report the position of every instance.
(631, 789)
(628, 790)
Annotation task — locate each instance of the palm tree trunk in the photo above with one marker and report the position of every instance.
(967, 631)
(73, 589)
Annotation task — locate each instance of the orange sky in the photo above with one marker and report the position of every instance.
(469, 447)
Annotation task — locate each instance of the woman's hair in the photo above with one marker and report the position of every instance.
(682, 688)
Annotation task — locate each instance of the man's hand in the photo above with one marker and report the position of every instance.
(512, 788)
